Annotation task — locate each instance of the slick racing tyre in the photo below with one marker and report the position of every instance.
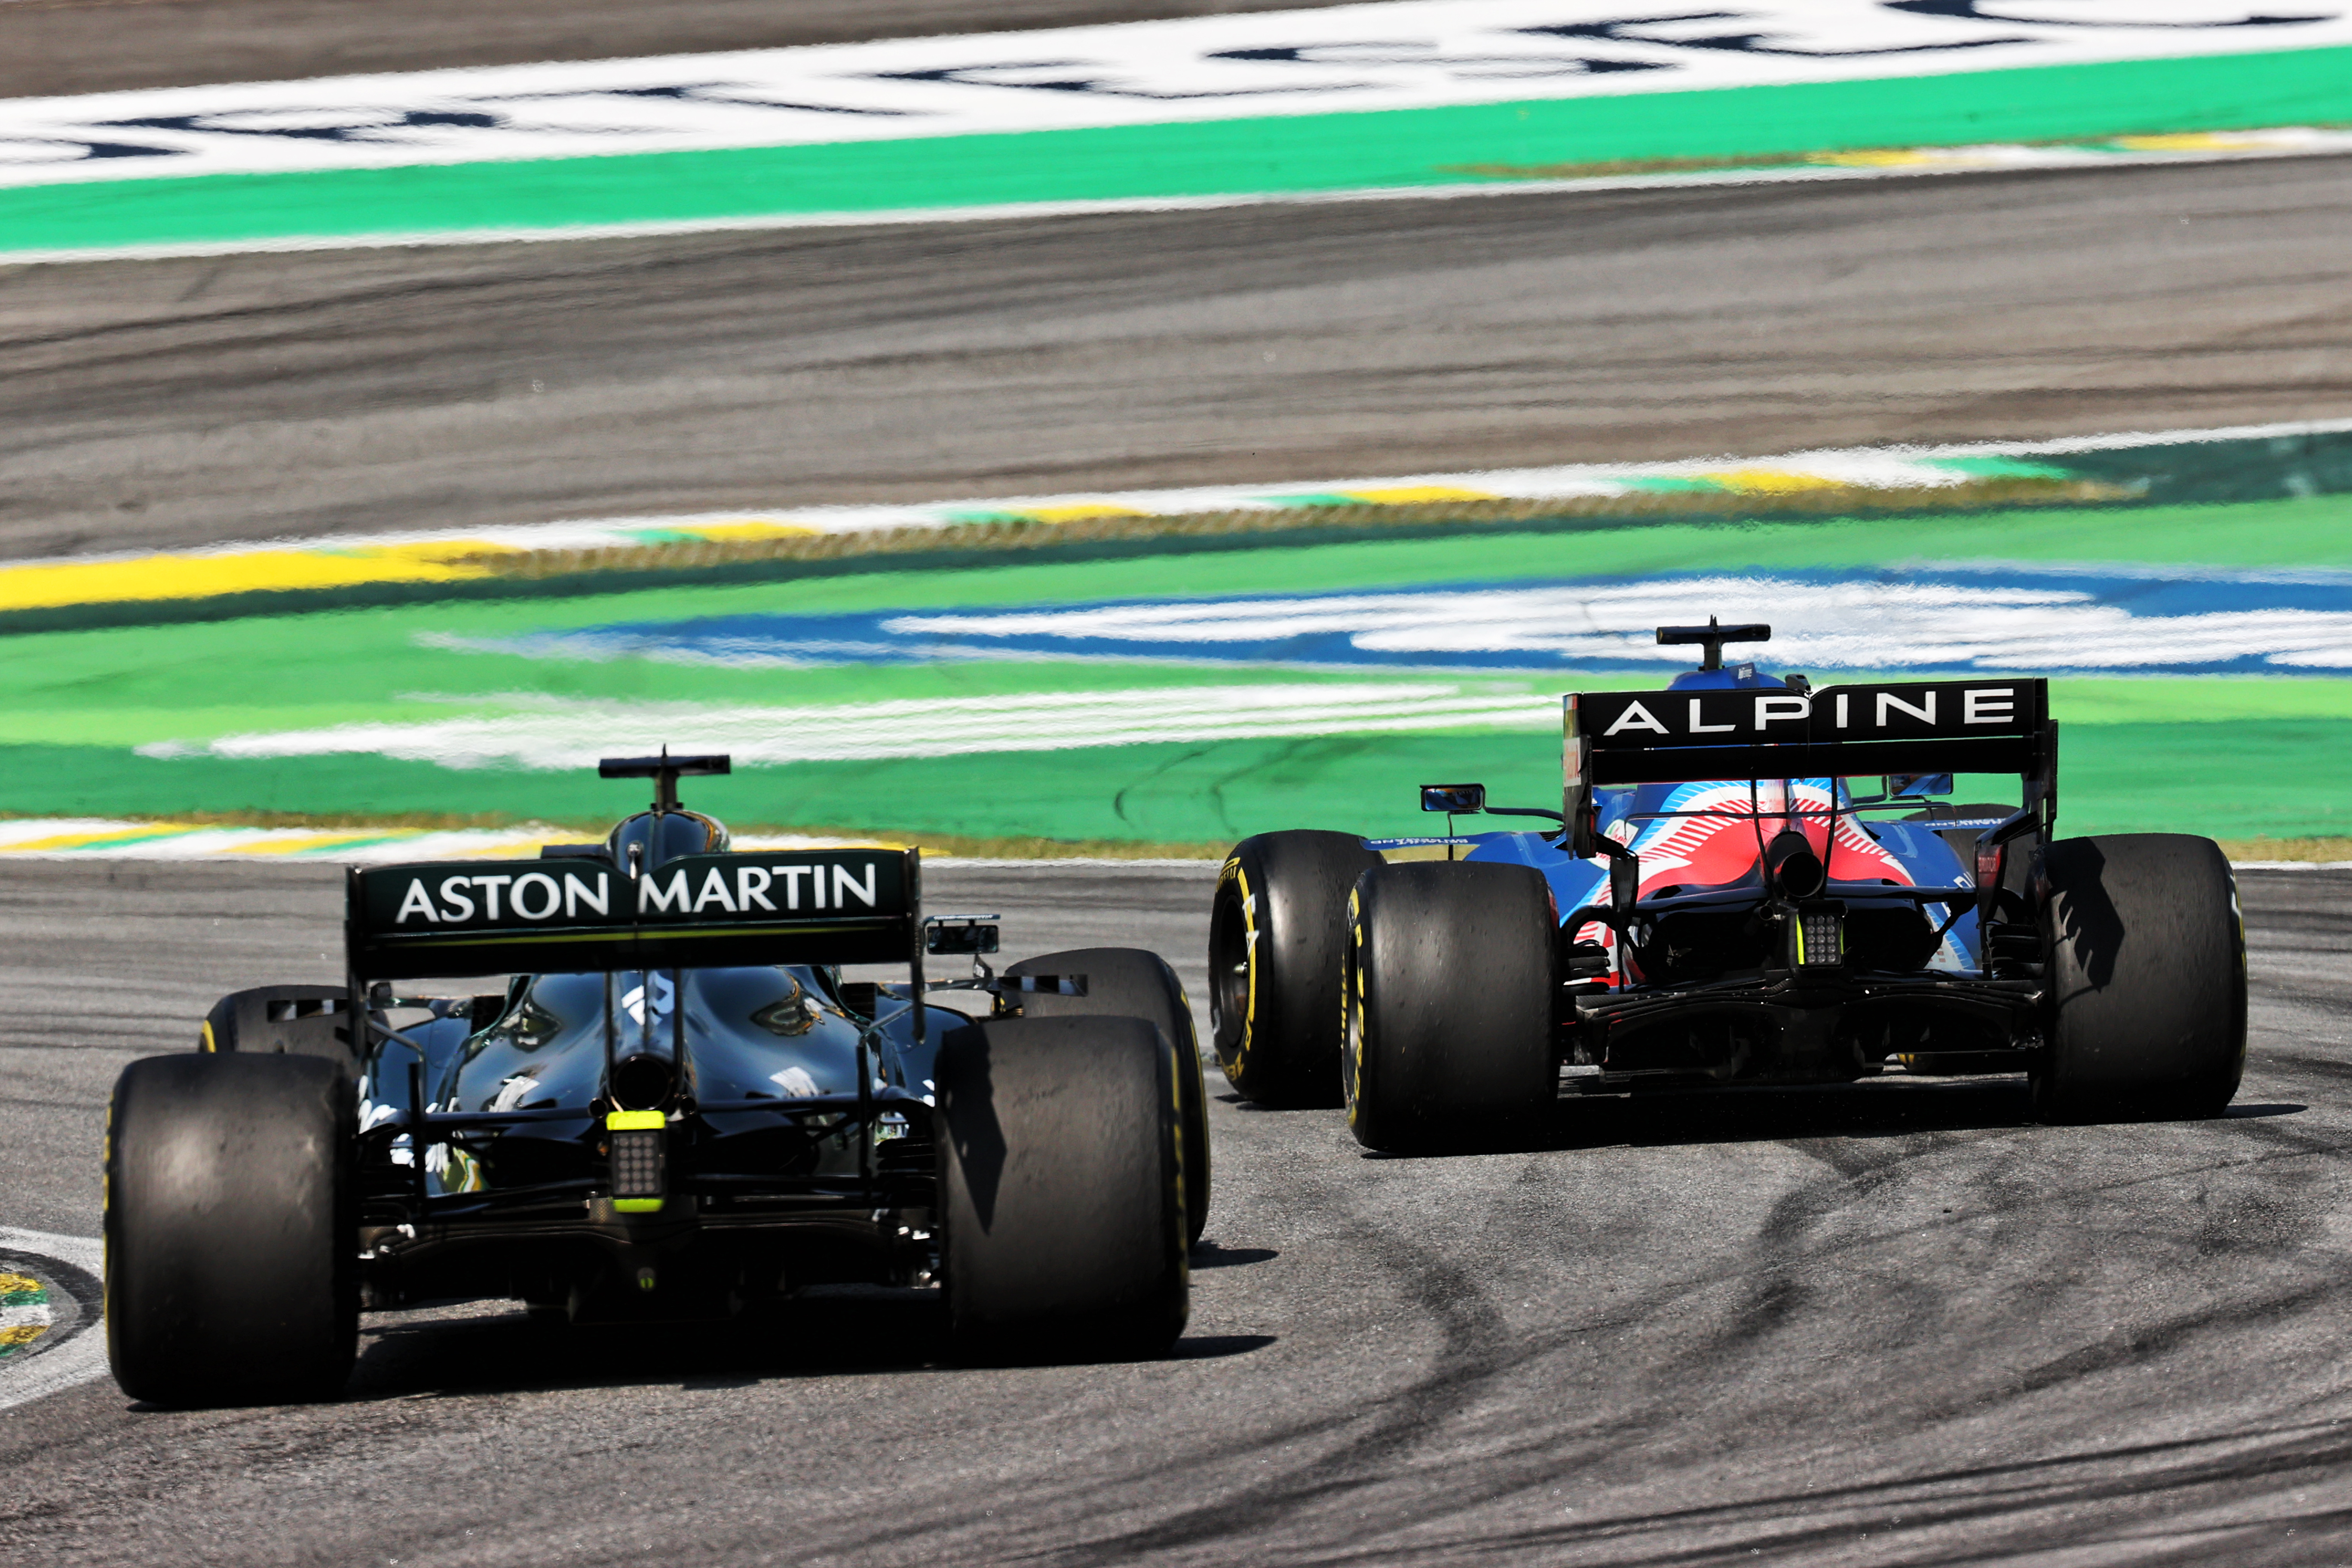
(1448, 998)
(231, 1229)
(1274, 936)
(1061, 1191)
(1128, 982)
(293, 1020)
(2147, 979)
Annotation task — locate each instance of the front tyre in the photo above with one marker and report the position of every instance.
(2147, 979)
(1131, 982)
(231, 1228)
(1061, 1191)
(1448, 998)
(1276, 932)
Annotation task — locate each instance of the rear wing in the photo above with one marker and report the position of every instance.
(1839, 731)
(588, 914)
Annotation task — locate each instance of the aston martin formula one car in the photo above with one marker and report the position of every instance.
(1751, 882)
(676, 1108)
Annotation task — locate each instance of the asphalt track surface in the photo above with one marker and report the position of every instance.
(171, 403)
(1893, 1324)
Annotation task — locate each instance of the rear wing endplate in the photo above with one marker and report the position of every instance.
(1840, 732)
(586, 915)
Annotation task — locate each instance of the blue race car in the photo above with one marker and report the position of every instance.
(1751, 882)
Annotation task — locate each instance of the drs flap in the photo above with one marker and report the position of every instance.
(473, 917)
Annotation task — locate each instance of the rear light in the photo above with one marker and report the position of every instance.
(640, 1160)
(1989, 857)
(1821, 939)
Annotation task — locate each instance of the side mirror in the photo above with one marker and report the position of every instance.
(967, 937)
(1624, 883)
(1914, 785)
(1463, 799)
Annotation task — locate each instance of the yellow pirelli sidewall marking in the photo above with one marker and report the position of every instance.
(1351, 1007)
(1233, 1069)
(1176, 1140)
(1249, 957)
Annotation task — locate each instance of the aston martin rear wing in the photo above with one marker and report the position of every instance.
(1840, 731)
(588, 914)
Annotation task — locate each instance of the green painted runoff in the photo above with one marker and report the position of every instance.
(2245, 756)
(2261, 778)
(1396, 148)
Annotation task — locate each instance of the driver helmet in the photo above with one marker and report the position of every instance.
(666, 835)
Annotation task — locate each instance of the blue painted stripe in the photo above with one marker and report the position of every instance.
(2056, 621)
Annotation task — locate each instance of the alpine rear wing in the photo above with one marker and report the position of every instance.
(587, 914)
(1839, 731)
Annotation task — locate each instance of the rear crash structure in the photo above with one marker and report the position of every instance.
(674, 1109)
(1749, 882)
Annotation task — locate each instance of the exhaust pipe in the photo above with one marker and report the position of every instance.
(643, 1081)
(1793, 866)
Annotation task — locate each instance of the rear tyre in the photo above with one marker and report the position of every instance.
(1131, 983)
(2147, 979)
(231, 1229)
(1061, 1191)
(293, 1020)
(1274, 937)
(1448, 998)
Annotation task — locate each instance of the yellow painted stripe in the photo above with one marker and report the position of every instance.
(2190, 142)
(1769, 481)
(1079, 512)
(159, 830)
(748, 530)
(307, 842)
(1408, 495)
(52, 584)
(1882, 158)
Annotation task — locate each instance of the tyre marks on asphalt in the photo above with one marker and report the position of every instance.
(1742, 1329)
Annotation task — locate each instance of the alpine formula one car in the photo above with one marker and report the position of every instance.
(1751, 882)
(680, 1110)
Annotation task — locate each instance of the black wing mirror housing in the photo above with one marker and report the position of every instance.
(1461, 799)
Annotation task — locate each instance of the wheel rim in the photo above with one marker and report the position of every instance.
(1229, 977)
